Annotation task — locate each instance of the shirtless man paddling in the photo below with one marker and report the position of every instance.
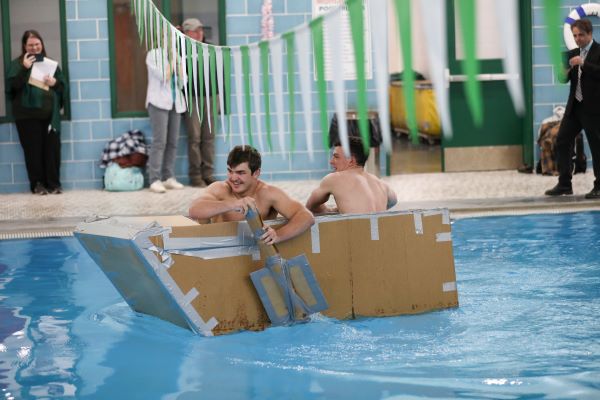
(354, 189)
(231, 199)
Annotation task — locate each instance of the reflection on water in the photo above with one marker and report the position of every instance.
(527, 326)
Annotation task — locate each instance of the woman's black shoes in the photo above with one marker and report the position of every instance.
(40, 189)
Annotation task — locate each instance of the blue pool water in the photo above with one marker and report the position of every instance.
(527, 327)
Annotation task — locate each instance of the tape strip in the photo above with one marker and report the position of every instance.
(449, 286)
(190, 296)
(315, 239)
(374, 228)
(418, 218)
(211, 254)
(443, 237)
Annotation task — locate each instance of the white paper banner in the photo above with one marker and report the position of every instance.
(195, 79)
(184, 71)
(303, 43)
(237, 63)
(434, 12)
(219, 52)
(379, 12)
(206, 62)
(507, 13)
(256, 90)
(334, 33)
(277, 75)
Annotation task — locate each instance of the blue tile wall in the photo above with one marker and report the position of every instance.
(91, 124)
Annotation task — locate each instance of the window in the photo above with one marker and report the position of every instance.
(15, 18)
(128, 55)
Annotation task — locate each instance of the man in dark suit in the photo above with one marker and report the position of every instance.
(583, 108)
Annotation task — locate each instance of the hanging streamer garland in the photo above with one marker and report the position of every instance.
(227, 84)
(220, 88)
(200, 62)
(189, 61)
(239, 88)
(289, 41)
(553, 19)
(246, 74)
(256, 91)
(316, 27)
(403, 18)
(355, 8)
(264, 63)
(466, 10)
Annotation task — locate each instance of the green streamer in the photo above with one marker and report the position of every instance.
(227, 84)
(355, 8)
(264, 61)
(466, 10)
(403, 18)
(213, 84)
(246, 71)
(316, 27)
(188, 56)
(200, 85)
(553, 19)
(289, 40)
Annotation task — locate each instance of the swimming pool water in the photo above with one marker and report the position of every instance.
(527, 327)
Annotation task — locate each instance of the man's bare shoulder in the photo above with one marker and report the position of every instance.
(219, 190)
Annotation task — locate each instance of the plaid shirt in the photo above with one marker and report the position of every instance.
(128, 143)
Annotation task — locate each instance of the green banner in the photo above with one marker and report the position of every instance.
(189, 64)
(246, 71)
(213, 85)
(470, 64)
(291, 61)
(316, 27)
(553, 19)
(264, 62)
(200, 84)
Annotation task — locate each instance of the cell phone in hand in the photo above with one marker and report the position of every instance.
(39, 57)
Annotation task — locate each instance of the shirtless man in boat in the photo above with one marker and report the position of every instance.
(354, 189)
(229, 200)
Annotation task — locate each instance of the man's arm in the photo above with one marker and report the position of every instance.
(317, 199)
(212, 203)
(299, 218)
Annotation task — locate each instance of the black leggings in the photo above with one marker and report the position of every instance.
(42, 152)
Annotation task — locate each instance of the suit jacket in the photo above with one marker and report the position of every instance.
(590, 80)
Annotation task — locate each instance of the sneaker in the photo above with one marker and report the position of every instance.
(172, 183)
(559, 191)
(40, 189)
(158, 187)
(56, 190)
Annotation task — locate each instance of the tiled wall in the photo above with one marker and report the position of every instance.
(91, 125)
(547, 91)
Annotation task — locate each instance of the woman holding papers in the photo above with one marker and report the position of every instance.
(37, 89)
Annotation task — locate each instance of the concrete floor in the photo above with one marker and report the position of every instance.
(464, 194)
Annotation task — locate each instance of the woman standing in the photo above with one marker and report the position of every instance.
(36, 110)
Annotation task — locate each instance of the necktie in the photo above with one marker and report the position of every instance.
(578, 93)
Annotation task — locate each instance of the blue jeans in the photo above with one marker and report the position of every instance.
(165, 130)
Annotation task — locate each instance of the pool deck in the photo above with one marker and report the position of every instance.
(465, 194)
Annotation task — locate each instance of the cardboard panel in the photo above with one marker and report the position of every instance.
(131, 275)
(225, 291)
(379, 273)
(331, 265)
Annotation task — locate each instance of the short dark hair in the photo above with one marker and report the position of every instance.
(357, 149)
(242, 154)
(583, 24)
(29, 34)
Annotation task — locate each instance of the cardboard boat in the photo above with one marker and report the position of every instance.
(198, 276)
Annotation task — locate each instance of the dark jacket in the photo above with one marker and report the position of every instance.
(590, 80)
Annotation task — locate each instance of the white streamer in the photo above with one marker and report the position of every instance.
(237, 62)
(507, 14)
(277, 73)
(434, 11)
(379, 11)
(256, 90)
(304, 48)
(195, 78)
(205, 57)
(219, 52)
(333, 32)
